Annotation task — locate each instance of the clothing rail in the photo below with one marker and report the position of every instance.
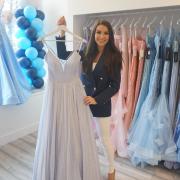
(138, 11)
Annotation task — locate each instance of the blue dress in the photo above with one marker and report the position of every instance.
(177, 133)
(152, 137)
(14, 88)
(145, 84)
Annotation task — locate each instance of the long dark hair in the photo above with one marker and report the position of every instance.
(111, 53)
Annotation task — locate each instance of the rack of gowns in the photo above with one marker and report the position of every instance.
(144, 111)
(14, 88)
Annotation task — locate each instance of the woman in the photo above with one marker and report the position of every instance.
(101, 65)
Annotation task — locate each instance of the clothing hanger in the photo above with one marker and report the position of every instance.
(150, 24)
(113, 22)
(136, 23)
(162, 20)
(116, 26)
(61, 28)
(170, 26)
(171, 22)
(125, 21)
(144, 23)
(161, 24)
(177, 25)
(130, 27)
(135, 26)
(178, 21)
(90, 23)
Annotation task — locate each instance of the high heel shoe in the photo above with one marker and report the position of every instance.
(111, 176)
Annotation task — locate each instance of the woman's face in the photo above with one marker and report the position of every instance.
(101, 36)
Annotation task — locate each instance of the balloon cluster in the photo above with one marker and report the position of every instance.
(30, 51)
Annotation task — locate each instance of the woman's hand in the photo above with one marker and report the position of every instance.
(88, 100)
(61, 21)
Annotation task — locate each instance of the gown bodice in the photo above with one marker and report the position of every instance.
(63, 71)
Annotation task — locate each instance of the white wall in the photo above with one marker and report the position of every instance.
(20, 120)
(89, 6)
(35, 3)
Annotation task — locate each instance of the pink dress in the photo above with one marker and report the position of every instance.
(133, 76)
(119, 109)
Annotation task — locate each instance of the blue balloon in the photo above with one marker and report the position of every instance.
(38, 45)
(41, 72)
(37, 24)
(30, 12)
(25, 62)
(38, 63)
(38, 83)
(31, 53)
(31, 33)
(41, 53)
(20, 53)
(40, 15)
(20, 33)
(19, 12)
(32, 73)
(23, 22)
(24, 43)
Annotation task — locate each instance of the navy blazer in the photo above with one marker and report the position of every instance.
(98, 83)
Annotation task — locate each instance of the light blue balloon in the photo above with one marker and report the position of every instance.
(24, 71)
(23, 43)
(29, 80)
(20, 33)
(30, 12)
(38, 63)
(31, 53)
(41, 72)
(37, 24)
(40, 34)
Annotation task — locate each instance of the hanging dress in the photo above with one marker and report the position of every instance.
(118, 133)
(65, 145)
(14, 88)
(173, 94)
(152, 139)
(151, 52)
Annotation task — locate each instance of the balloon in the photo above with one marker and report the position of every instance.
(41, 72)
(20, 33)
(31, 53)
(32, 73)
(40, 33)
(38, 82)
(25, 62)
(42, 53)
(24, 71)
(38, 45)
(30, 12)
(37, 24)
(40, 15)
(19, 12)
(20, 53)
(31, 33)
(22, 22)
(38, 63)
(29, 80)
(23, 43)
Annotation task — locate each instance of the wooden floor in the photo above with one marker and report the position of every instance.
(16, 163)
